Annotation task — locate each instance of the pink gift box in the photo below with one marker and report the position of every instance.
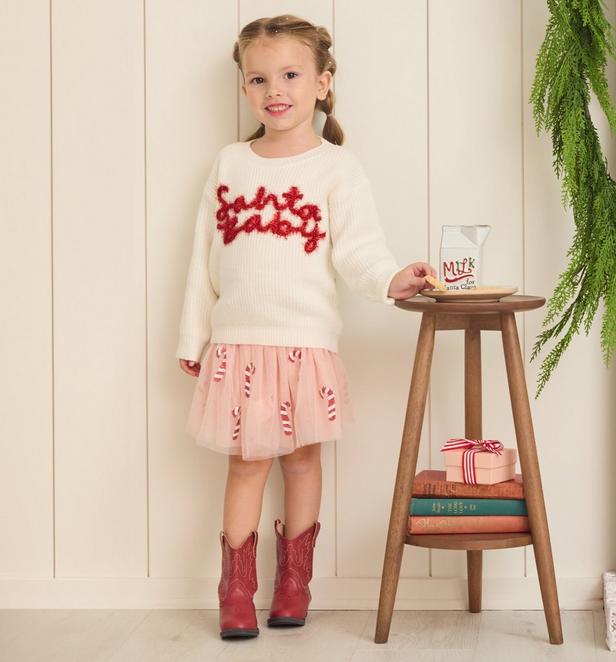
(490, 468)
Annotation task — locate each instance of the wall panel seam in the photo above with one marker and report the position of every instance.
(145, 293)
(51, 234)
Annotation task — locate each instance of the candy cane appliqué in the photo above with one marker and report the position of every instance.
(249, 370)
(295, 355)
(326, 392)
(221, 350)
(285, 408)
(236, 413)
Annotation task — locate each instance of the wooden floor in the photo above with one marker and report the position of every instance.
(336, 636)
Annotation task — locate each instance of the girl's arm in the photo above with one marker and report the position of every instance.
(359, 247)
(360, 252)
(199, 297)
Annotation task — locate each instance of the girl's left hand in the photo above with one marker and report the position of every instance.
(411, 280)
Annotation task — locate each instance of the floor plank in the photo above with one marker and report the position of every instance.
(328, 636)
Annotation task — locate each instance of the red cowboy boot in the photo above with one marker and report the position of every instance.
(293, 572)
(238, 583)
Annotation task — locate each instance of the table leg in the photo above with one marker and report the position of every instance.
(533, 491)
(474, 558)
(473, 430)
(407, 464)
(472, 384)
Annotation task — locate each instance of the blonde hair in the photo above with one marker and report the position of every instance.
(319, 41)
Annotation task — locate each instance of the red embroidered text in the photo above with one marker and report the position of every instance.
(308, 216)
(458, 269)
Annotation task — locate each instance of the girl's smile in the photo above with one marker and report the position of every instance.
(277, 110)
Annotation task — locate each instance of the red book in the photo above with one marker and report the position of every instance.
(469, 524)
(431, 482)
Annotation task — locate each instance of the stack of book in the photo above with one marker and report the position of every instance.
(442, 506)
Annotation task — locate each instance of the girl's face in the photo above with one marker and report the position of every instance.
(282, 71)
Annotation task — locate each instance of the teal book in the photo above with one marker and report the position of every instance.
(429, 506)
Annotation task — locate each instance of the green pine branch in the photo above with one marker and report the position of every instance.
(571, 62)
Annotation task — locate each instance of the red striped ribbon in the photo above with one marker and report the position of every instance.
(472, 447)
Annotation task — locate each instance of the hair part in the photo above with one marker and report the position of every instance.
(318, 40)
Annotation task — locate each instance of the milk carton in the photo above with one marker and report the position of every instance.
(460, 259)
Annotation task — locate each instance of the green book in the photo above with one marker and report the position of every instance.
(428, 506)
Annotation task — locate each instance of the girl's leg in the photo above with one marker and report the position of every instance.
(301, 471)
(244, 497)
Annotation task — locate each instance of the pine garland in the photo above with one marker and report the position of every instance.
(573, 56)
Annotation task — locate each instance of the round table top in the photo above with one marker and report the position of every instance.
(509, 304)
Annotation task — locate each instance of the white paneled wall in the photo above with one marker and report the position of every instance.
(26, 397)
(98, 279)
(575, 416)
(191, 112)
(112, 113)
(475, 177)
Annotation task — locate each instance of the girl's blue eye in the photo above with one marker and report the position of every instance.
(289, 72)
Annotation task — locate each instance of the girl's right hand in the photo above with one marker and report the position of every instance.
(190, 367)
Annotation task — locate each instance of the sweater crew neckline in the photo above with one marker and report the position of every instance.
(286, 159)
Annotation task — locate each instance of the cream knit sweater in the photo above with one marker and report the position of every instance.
(269, 238)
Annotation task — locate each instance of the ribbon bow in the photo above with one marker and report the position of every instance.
(472, 447)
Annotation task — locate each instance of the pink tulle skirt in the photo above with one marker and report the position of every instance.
(261, 401)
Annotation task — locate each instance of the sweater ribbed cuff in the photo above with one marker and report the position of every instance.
(190, 348)
(388, 276)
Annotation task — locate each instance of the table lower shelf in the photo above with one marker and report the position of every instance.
(471, 541)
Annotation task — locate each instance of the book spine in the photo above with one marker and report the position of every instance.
(444, 488)
(470, 524)
(431, 507)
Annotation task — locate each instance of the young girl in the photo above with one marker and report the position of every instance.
(280, 215)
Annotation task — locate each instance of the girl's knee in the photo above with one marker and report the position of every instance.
(241, 467)
(302, 459)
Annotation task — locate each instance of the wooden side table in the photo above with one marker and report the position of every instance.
(472, 318)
